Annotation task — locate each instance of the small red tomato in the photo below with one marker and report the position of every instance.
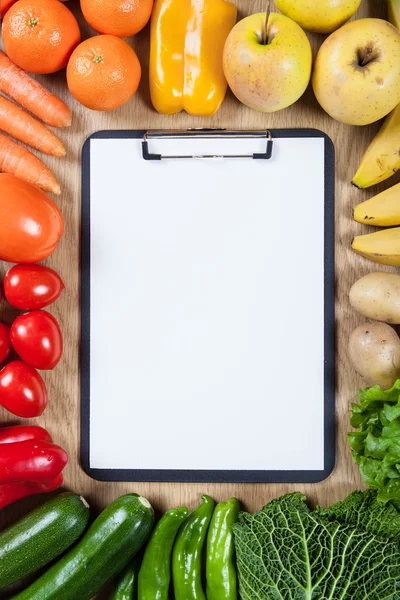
(29, 287)
(5, 344)
(37, 339)
(22, 390)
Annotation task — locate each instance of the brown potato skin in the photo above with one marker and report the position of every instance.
(374, 350)
(377, 296)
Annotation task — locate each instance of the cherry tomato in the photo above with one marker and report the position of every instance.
(29, 287)
(5, 344)
(37, 339)
(22, 390)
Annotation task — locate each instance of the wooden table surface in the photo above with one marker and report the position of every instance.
(62, 414)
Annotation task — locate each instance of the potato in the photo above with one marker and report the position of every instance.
(374, 350)
(377, 296)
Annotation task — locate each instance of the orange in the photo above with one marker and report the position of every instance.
(39, 35)
(117, 17)
(103, 72)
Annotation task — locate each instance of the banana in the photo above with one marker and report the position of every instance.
(394, 12)
(382, 158)
(382, 247)
(382, 210)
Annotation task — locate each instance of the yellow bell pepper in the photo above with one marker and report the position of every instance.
(187, 40)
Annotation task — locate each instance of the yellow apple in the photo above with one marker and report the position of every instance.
(356, 76)
(267, 74)
(320, 16)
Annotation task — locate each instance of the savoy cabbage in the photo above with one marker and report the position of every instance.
(288, 552)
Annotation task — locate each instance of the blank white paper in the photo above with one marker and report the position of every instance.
(207, 307)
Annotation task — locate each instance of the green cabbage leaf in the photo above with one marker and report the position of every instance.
(288, 552)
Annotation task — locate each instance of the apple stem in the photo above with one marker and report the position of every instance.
(265, 32)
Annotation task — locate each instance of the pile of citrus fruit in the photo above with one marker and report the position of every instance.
(103, 72)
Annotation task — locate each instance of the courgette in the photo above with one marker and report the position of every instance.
(41, 536)
(110, 543)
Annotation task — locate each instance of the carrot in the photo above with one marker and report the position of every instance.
(19, 124)
(28, 92)
(4, 6)
(19, 161)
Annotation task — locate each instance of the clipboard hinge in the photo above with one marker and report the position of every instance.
(207, 133)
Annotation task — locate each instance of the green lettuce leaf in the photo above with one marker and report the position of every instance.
(375, 445)
(287, 552)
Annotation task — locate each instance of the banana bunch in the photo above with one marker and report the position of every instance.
(382, 158)
(382, 210)
(394, 12)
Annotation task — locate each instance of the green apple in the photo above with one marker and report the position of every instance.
(267, 72)
(356, 76)
(320, 16)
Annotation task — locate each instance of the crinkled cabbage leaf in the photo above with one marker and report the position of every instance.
(288, 552)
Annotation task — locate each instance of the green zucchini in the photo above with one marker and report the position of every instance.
(110, 543)
(41, 536)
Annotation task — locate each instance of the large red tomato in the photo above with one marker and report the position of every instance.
(5, 344)
(28, 287)
(22, 390)
(37, 339)
(30, 223)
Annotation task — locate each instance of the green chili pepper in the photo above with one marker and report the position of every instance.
(126, 583)
(187, 552)
(155, 572)
(220, 564)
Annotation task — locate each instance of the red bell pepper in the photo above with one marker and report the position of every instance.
(20, 433)
(11, 492)
(31, 460)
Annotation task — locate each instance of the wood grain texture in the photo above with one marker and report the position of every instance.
(62, 414)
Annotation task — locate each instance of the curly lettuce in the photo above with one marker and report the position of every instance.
(375, 445)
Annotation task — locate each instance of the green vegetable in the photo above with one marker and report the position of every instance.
(364, 511)
(286, 551)
(41, 536)
(125, 587)
(220, 566)
(376, 445)
(155, 573)
(110, 543)
(187, 552)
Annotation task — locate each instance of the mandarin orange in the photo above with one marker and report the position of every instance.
(39, 35)
(117, 17)
(103, 72)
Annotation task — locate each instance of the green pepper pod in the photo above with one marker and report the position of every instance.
(155, 572)
(126, 583)
(220, 565)
(187, 552)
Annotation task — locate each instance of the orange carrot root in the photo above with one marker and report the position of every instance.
(19, 161)
(28, 92)
(25, 128)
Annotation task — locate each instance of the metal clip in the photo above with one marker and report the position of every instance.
(206, 134)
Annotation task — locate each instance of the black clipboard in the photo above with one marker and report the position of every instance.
(213, 476)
